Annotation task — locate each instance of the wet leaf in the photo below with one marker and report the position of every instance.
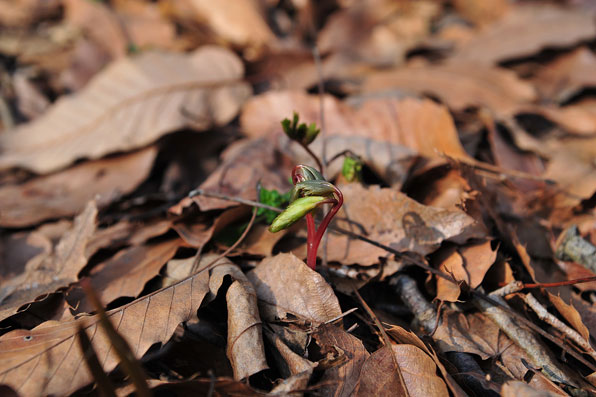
(66, 193)
(286, 286)
(119, 108)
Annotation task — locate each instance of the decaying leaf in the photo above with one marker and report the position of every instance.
(286, 287)
(128, 105)
(58, 269)
(421, 125)
(66, 193)
(394, 219)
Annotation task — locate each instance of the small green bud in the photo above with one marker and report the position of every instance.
(295, 211)
(300, 132)
(352, 169)
(307, 173)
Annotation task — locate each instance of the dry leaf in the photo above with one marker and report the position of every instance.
(468, 264)
(578, 118)
(570, 313)
(244, 164)
(15, 13)
(482, 12)
(286, 286)
(66, 193)
(515, 388)
(567, 75)
(130, 104)
(56, 270)
(349, 354)
(379, 377)
(245, 348)
(392, 218)
(46, 360)
(125, 274)
(525, 30)
(145, 24)
(421, 125)
(459, 85)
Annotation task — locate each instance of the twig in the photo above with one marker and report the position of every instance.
(571, 246)
(548, 318)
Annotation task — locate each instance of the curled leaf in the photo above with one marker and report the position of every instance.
(311, 188)
(294, 212)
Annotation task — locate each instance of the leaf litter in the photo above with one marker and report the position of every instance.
(471, 124)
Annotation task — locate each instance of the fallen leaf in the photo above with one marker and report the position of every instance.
(527, 29)
(392, 218)
(24, 12)
(202, 387)
(379, 377)
(468, 264)
(419, 124)
(578, 118)
(286, 286)
(58, 269)
(245, 348)
(17, 249)
(45, 360)
(66, 193)
(240, 22)
(119, 109)
(482, 12)
(515, 388)
(343, 374)
(459, 85)
(125, 274)
(570, 313)
(563, 78)
(243, 165)
(99, 23)
(30, 101)
(145, 24)
(296, 369)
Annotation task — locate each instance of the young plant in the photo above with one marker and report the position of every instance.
(310, 191)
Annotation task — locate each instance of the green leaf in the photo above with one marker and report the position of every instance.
(295, 212)
(274, 199)
(311, 188)
(352, 169)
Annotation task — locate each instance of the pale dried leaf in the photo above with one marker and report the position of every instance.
(56, 270)
(47, 360)
(570, 313)
(459, 85)
(348, 355)
(526, 29)
(286, 286)
(130, 104)
(392, 218)
(515, 388)
(66, 193)
(421, 125)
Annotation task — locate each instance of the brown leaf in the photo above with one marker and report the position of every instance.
(515, 388)
(526, 29)
(245, 348)
(420, 124)
(570, 313)
(23, 12)
(468, 264)
(286, 286)
(58, 269)
(296, 369)
(240, 22)
(46, 360)
(145, 25)
(482, 12)
(459, 85)
(66, 193)
(378, 376)
(99, 23)
(243, 165)
(394, 219)
(351, 355)
(567, 75)
(578, 118)
(130, 104)
(126, 273)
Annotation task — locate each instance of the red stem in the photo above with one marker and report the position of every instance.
(310, 227)
(314, 245)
